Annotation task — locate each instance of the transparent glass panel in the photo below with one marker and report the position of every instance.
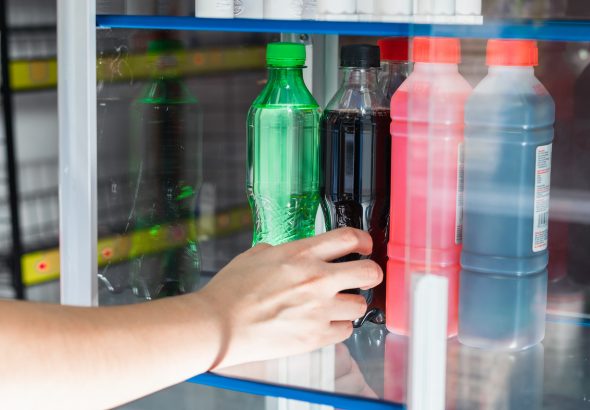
(172, 157)
(476, 247)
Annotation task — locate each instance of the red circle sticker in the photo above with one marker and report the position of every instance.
(107, 253)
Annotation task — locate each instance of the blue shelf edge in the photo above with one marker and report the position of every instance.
(550, 30)
(570, 320)
(336, 400)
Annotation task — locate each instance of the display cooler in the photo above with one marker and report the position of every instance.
(487, 229)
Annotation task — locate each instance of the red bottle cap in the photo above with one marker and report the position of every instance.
(394, 48)
(523, 53)
(436, 50)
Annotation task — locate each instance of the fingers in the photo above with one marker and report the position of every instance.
(340, 331)
(364, 274)
(334, 244)
(347, 307)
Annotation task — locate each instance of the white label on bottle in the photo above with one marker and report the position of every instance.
(542, 191)
(460, 194)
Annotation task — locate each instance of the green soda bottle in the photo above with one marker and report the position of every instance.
(166, 177)
(284, 151)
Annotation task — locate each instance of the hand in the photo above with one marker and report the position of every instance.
(284, 300)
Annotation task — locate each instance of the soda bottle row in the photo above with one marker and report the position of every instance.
(300, 160)
(468, 11)
(448, 181)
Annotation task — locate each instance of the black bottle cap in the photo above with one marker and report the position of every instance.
(360, 55)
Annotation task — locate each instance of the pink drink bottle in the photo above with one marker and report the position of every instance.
(426, 169)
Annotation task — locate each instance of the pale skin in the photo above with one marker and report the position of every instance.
(268, 302)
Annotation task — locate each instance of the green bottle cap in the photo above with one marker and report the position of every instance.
(285, 55)
(164, 45)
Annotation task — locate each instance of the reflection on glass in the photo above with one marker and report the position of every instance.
(367, 347)
(396, 368)
(113, 176)
(165, 180)
(500, 380)
(315, 370)
(579, 231)
(560, 84)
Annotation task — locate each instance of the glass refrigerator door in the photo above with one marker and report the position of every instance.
(487, 204)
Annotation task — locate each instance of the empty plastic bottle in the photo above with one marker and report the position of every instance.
(395, 67)
(355, 132)
(426, 177)
(166, 177)
(508, 140)
(284, 151)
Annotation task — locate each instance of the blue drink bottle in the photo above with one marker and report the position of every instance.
(508, 141)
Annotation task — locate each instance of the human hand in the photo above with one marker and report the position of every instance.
(284, 300)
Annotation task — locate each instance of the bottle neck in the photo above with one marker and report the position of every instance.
(361, 77)
(395, 66)
(517, 70)
(436, 67)
(285, 75)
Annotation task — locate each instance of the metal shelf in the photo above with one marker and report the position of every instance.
(382, 360)
(553, 30)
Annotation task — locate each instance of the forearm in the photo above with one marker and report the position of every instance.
(54, 356)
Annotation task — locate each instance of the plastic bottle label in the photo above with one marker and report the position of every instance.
(542, 191)
(460, 194)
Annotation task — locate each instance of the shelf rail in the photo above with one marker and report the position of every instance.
(550, 30)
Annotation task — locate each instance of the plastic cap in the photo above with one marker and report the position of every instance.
(285, 55)
(436, 50)
(164, 45)
(394, 48)
(524, 53)
(360, 55)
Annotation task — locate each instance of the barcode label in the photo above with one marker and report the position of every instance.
(543, 219)
(542, 191)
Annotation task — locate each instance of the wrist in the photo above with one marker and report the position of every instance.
(211, 324)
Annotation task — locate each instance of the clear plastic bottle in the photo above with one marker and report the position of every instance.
(214, 8)
(249, 9)
(166, 177)
(435, 7)
(337, 10)
(365, 10)
(355, 133)
(283, 9)
(508, 141)
(394, 10)
(284, 151)
(427, 135)
(468, 7)
(395, 67)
